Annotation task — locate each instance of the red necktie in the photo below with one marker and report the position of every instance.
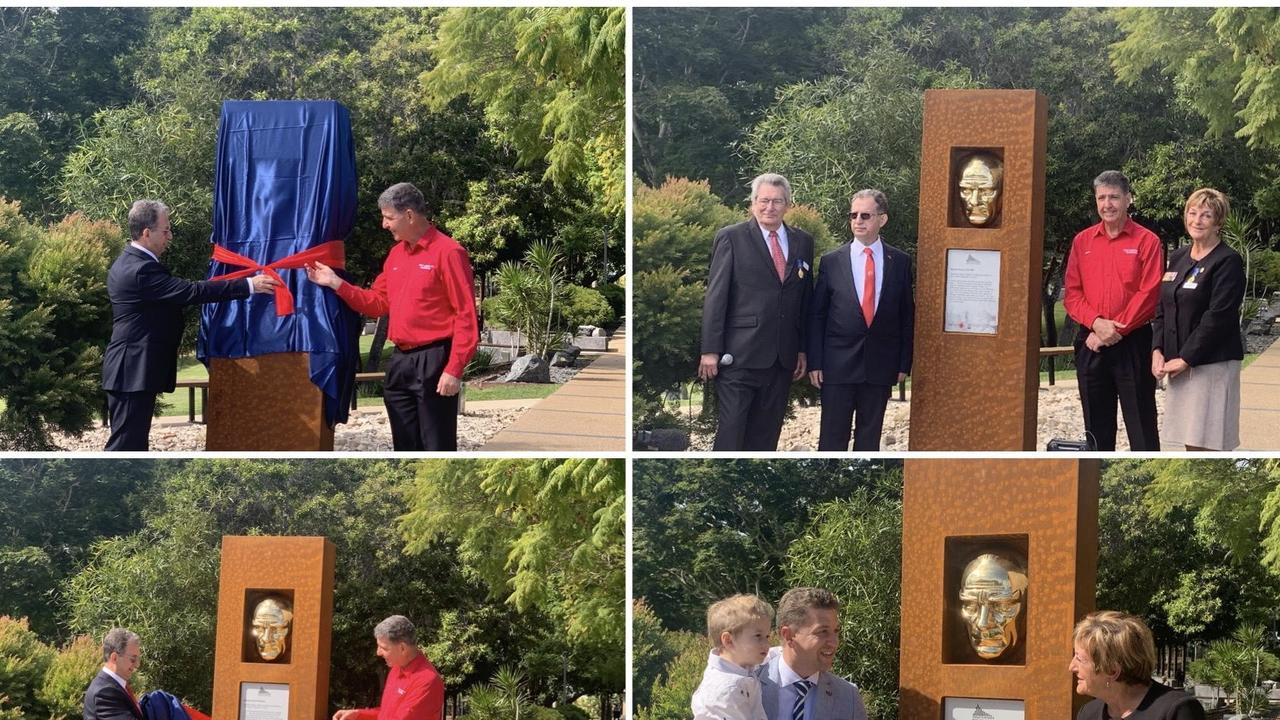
(779, 262)
(869, 288)
(129, 689)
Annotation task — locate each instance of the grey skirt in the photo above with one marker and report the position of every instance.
(1202, 407)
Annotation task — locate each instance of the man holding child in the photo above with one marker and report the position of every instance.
(743, 681)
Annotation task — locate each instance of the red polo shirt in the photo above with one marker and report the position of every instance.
(1114, 278)
(426, 287)
(413, 692)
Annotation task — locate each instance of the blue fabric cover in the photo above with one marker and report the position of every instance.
(285, 181)
(161, 705)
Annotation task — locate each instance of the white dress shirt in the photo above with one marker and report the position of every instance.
(787, 692)
(123, 684)
(858, 258)
(727, 692)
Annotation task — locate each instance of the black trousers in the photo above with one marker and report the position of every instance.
(421, 419)
(129, 414)
(752, 405)
(861, 405)
(1120, 373)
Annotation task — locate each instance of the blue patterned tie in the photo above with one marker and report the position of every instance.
(802, 690)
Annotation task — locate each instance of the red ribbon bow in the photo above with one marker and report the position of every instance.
(332, 253)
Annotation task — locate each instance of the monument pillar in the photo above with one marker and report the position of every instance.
(999, 561)
(265, 403)
(275, 614)
(979, 260)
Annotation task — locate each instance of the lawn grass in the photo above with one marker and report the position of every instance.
(191, 369)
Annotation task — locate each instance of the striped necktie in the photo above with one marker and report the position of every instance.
(802, 691)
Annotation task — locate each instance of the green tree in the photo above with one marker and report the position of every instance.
(53, 511)
(545, 536)
(53, 310)
(706, 529)
(61, 66)
(1239, 665)
(703, 76)
(566, 63)
(1222, 60)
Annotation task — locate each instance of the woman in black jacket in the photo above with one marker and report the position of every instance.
(1196, 342)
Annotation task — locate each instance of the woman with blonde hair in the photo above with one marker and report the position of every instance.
(1113, 661)
(1196, 342)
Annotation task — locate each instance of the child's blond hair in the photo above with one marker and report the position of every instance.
(733, 613)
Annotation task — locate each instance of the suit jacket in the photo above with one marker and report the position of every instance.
(1201, 325)
(840, 343)
(106, 700)
(146, 321)
(835, 697)
(747, 311)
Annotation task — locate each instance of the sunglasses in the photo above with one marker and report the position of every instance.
(863, 215)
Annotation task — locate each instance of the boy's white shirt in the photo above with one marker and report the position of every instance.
(727, 692)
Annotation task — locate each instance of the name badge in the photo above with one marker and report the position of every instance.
(1170, 277)
(1190, 285)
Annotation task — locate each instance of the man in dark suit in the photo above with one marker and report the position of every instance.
(109, 696)
(861, 328)
(146, 323)
(753, 318)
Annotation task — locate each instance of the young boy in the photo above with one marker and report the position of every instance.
(738, 628)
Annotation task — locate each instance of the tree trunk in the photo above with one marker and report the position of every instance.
(379, 341)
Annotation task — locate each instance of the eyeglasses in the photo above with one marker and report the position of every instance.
(775, 202)
(863, 215)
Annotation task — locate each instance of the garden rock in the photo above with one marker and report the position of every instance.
(529, 368)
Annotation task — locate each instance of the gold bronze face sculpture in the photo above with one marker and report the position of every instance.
(271, 620)
(981, 181)
(992, 589)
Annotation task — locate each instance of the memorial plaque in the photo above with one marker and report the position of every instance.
(973, 291)
(975, 377)
(264, 701)
(265, 403)
(275, 612)
(983, 709)
(999, 561)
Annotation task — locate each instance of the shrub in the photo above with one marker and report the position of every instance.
(585, 306)
(666, 343)
(69, 674)
(671, 694)
(54, 319)
(569, 711)
(616, 295)
(23, 663)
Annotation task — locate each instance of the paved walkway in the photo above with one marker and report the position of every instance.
(1260, 402)
(587, 414)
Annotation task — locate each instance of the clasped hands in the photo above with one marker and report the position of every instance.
(1105, 334)
(1162, 368)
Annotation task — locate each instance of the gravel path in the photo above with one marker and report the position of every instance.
(366, 431)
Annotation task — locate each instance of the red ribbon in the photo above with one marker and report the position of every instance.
(332, 253)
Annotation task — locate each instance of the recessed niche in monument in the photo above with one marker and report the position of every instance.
(985, 604)
(976, 190)
(268, 626)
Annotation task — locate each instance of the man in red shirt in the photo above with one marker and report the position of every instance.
(426, 286)
(1112, 283)
(414, 690)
